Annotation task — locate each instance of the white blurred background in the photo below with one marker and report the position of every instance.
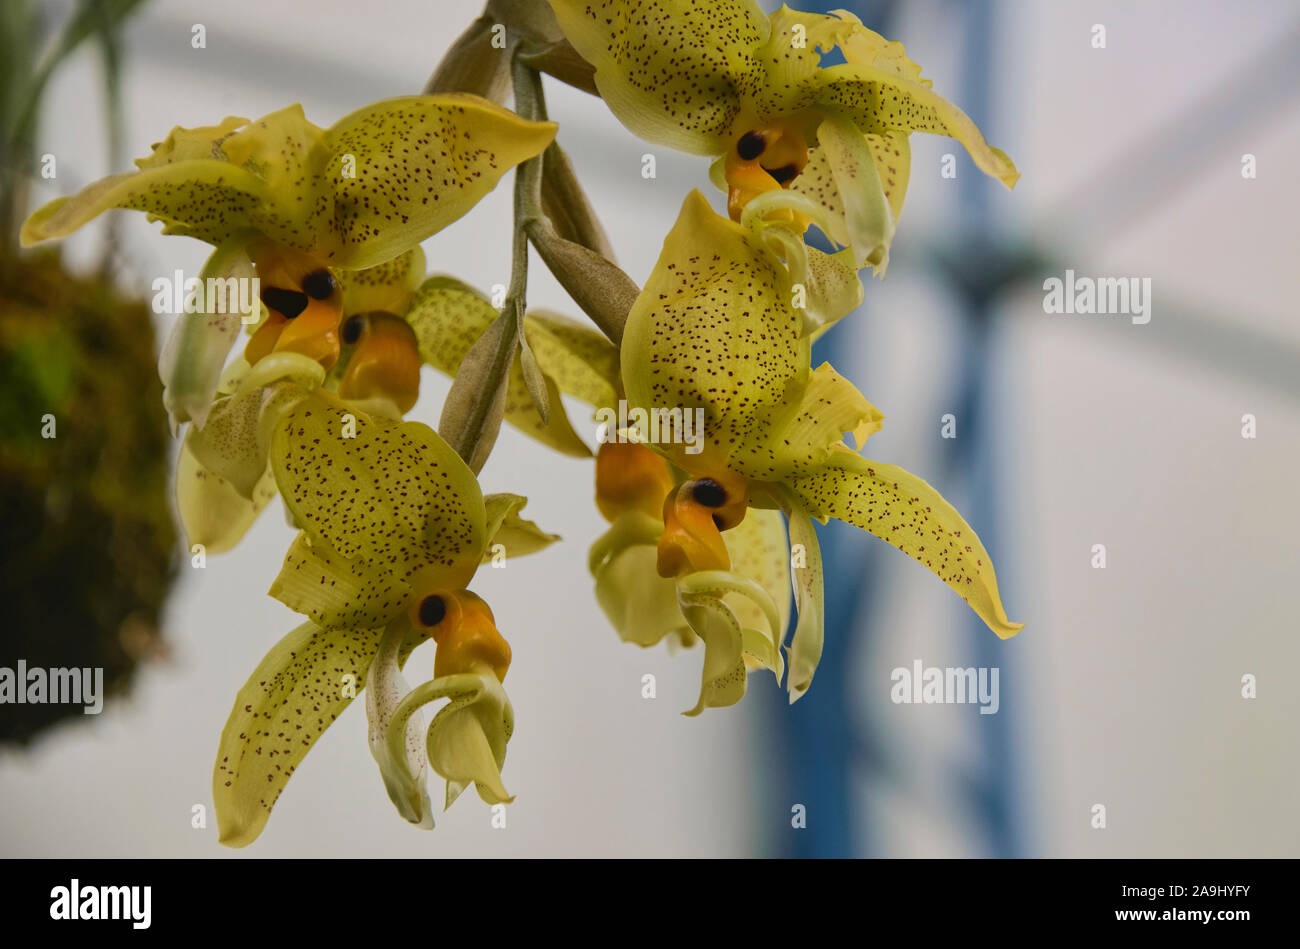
(1123, 689)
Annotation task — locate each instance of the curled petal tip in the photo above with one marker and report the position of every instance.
(1006, 629)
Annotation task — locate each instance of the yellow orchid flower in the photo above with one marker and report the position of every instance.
(714, 329)
(736, 598)
(223, 476)
(723, 79)
(295, 204)
(394, 322)
(393, 528)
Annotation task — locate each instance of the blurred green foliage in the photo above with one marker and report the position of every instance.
(85, 525)
(87, 544)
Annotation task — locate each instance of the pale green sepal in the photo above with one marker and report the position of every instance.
(724, 677)
(396, 732)
(192, 359)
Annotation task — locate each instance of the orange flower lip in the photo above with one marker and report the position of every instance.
(695, 515)
(314, 333)
(762, 159)
(630, 476)
(386, 362)
(465, 631)
(304, 306)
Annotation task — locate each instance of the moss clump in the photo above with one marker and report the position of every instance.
(87, 543)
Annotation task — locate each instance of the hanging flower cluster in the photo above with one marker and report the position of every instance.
(707, 536)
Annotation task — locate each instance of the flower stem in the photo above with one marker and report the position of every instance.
(474, 406)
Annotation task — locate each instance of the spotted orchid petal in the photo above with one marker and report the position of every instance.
(395, 172)
(900, 508)
(879, 101)
(386, 495)
(297, 691)
(715, 327)
(206, 198)
(275, 147)
(828, 407)
(210, 183)
(187, 144)
(388, 287)
(673, 71)
(789, 60)
(334, 591)
(834, 290)
(354, 195)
